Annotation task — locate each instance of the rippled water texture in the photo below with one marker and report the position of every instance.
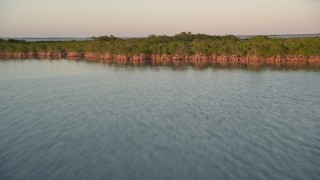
(69, 120)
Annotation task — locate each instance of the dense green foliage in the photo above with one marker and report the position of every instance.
(182, 44)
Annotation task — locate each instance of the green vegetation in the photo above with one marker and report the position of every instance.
(182, 44)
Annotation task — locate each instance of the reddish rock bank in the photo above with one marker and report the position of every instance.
(198, 58)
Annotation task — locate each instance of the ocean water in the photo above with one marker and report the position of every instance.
(35, 39)
(285, 36)
(63, 119)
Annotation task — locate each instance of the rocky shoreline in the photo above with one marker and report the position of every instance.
(197, 58)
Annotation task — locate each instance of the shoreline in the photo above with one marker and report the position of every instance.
(183, 47)
(164, 58)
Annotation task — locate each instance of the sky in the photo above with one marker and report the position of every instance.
(138, 18)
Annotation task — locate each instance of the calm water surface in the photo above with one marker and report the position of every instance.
(69, 120)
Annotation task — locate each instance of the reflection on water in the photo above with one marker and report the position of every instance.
(66, 119)
(181, 65)
(207, 64)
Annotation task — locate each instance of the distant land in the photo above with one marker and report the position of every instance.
(184, 47)
(35, 39)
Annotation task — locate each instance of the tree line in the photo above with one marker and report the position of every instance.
(182, 44)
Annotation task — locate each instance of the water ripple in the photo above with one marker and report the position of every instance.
(79, 120)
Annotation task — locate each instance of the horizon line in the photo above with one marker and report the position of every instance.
(30, 37)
